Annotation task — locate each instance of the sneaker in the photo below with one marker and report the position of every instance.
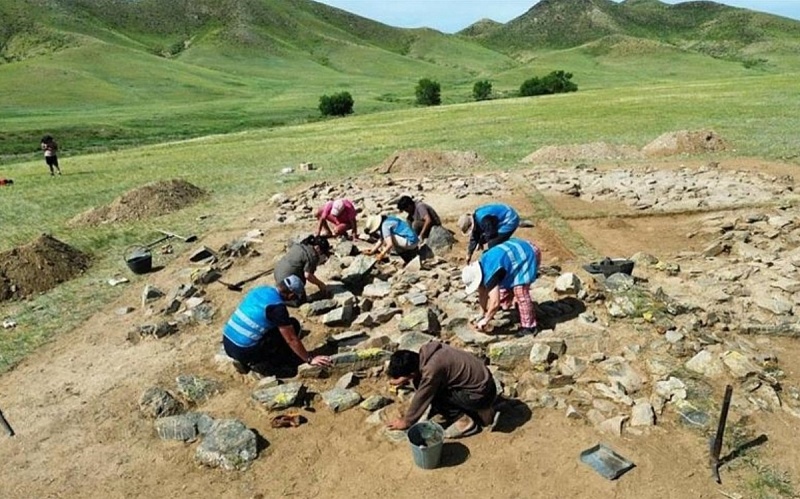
(240, 367)
(527, 331)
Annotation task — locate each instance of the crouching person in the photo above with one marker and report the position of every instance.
(393, 234)
(261, 333)
(454, 383)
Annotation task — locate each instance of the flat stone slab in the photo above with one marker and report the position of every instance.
(357, 360)
(509, 353)
(278, 397)
(156, 402)
(229, 445)
(184, 427)
(472, 337)
(195, 388)
(341, 399)
(375, 402)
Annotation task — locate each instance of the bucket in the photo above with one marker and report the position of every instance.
(609, 266)
(426, 439)
(139, 259)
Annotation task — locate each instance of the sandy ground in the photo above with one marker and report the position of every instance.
(79, 434)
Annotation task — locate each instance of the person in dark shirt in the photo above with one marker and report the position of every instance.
(420, 215)
(490, 225)
(50, 148)
(302, 261)
(454, 383)
(260, 333)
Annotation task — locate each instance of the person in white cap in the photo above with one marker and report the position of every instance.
(341, 215)
(489, 225)
(393, 233)
(502, 276)
(260, 333)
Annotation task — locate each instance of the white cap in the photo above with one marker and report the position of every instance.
(472, 275)
(337, 207)
(373, 223)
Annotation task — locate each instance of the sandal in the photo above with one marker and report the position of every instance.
(286, 421)
(453, 432)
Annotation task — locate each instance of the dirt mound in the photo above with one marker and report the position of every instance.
(422, 161)
(596, 151)
(685, 142)
(156, 198)
(38, 266)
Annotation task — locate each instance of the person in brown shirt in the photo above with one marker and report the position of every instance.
(455, 383)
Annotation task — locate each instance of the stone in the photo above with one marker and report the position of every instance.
(194, 302)
(643, 414)
(345, 248)
(156, 402)
(568, 283)
(621, 372)
(119, 311)
(341, 316)
(691, 416)
(440, 239)
(540, 355)
(413, 341)
(345, 299)
(348, 338)
(472, 337)
(415, 265)
(572, 366)
(673, 336)
(201, 254)
(307, 371)
(358, 270)
(184, 427)
(715, 249)
(205, 275)
(268, 382)
(422, 320)
(573, 413)
(229, 445)
(772, 303)
(613, 393)
(558, 346)
(417, 299)
(618, 283)
(318, 307)
(643, 259)
(278, 397)
(509, 353)
(739, 365)
(378, 289)
(375, 402)
(346, 381)
(705, 363)
(150, 293)
(340, 399)
(357, 360)
(672, 389)
(115, 281)
(196, 389)
(613, 426)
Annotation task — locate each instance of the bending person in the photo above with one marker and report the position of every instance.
(261, 332)
(490, 225)
(393, 234)
(302, 261)
(502, 276)
(455, 383)
(420, 215)
(341, 214)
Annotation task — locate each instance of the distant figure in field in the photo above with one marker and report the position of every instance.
(50, 148)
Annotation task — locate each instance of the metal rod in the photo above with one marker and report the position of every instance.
(716, 444)
(5, 425)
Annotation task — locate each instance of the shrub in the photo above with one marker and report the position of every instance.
(554, 83)
(340, 104)
(428, 92)
(482, 90)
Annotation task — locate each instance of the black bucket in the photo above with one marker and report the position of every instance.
(609, 266)
(139, 259)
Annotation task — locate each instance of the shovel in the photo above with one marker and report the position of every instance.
(5, 425)
(237, 286)
(188, 239)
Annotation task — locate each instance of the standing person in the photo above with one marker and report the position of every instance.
(302, 261)
(261, 331)
(502, 276)
(420, 215)
(491, 225)
(393, 234)
(341, 214)
(50, 148)
(455, 383)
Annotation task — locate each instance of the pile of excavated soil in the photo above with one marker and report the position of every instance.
(421, 161)
(596, 151)
(38, 266)
(685, 142)
(156, 198)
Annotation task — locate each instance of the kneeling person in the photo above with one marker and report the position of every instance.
(455, 383)
(261, 331)
(393, 234)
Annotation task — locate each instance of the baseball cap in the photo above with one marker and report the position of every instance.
(337, 207)
(296, 286)
(472, 275)
(465, 223)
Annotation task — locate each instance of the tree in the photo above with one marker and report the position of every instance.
(340, 104)
(428, 92)
(556, 82)
(482, 90)
(530, 87)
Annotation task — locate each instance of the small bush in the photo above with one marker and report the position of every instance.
(482, 90)
(556, 82)
(340, 104)
(428, 92)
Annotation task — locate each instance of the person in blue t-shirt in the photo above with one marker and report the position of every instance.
(490, 225)
(503, 277)
(393, 233)
(261, 333)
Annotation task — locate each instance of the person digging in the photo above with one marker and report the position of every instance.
(420, 215)
(454, 383)
(336, 218)
(394, 234)
(502, 277)
(302, 261)
(490, 225)
(261, 334)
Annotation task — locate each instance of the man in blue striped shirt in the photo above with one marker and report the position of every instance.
(503, 276)
(261, 332)
(490, 225)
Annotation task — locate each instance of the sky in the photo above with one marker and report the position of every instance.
(450, 16)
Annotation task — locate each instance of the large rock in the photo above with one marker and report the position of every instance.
(705, 363)
(422, 320)
(621, 372)
(229, 445)
(318, 307)
(509, 353)
(196, 389)
(643, 414)
(339, 317)
(413, 341)
(278, 397)
(739, 365)
(156, 402)
(377, 289)
(184, 427)
(341, 399)
(440, 239)
(359, 270)
(357, 360)
(568, 283)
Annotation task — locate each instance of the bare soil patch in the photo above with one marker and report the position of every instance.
(38, 266)
(422, 162)
(156, 198)
(595, 151)
(685, 142)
